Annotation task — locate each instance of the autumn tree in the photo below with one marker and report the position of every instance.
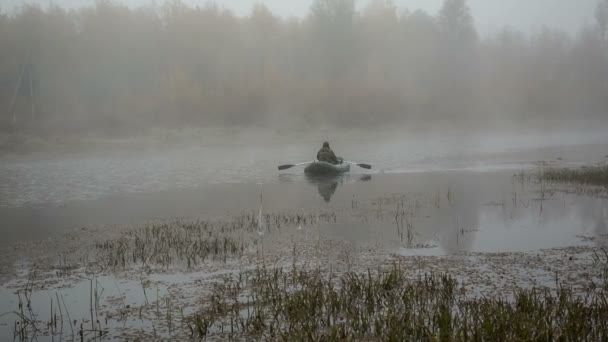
(458, 58)
(332, 24)
(601, 15)
(113, 69)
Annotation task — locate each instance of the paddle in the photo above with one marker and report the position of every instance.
(289, 166)
(365, 166)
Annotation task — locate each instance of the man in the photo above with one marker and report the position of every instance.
(326, 154)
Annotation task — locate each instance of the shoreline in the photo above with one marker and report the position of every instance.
(184, 293)
(34, 146)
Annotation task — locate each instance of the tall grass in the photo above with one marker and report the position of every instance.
(195, 242)
(591, 175)
(309, 305)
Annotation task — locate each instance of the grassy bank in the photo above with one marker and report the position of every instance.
(386, 305)
(588, 175)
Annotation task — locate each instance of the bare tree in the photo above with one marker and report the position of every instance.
(115, 69)
(332, 22)
(601, 15)
(456, 22)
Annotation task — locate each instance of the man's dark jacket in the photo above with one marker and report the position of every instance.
(327, 155)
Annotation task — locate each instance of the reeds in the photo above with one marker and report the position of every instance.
(195, 242)
(311, 305)
(588, 175)
(29, 325)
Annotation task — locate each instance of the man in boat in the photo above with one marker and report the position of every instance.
(327, 155)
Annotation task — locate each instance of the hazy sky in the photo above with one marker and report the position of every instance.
(490, 15)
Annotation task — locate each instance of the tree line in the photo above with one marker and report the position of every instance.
(111, 68)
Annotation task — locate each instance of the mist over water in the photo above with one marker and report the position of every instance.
(71, 177)
(156, 157)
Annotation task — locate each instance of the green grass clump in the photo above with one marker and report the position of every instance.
(195, 242)
(591, 175)
(386, 305)
(167, 244)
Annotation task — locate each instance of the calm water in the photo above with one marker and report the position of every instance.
(452, 198)
(38, 181)
(448, 212)
(40, 197)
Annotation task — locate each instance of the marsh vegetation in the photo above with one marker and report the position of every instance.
(585, 175)
(357, 271)
(385, 304)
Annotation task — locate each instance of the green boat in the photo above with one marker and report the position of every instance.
(321, 168)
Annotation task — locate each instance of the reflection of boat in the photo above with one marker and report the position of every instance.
(321, 168)
(327, 185)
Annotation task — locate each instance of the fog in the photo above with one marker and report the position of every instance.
(491, 15)
(127, 68)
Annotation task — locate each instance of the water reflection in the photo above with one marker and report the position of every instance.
(435, 214)
(515, 224)
(599, 214)
(327, 185)
(443, 222)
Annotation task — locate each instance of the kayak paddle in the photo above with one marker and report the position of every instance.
(365, 166)
(289, 166)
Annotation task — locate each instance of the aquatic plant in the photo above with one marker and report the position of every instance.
(590, 175)
(195, 242)
(271, 303)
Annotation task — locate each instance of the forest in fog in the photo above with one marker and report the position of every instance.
(113, 69)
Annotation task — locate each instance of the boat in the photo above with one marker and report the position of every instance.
(321, 168)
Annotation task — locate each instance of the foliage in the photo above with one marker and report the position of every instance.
(110, 68)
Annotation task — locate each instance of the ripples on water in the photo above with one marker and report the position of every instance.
(36, 181)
